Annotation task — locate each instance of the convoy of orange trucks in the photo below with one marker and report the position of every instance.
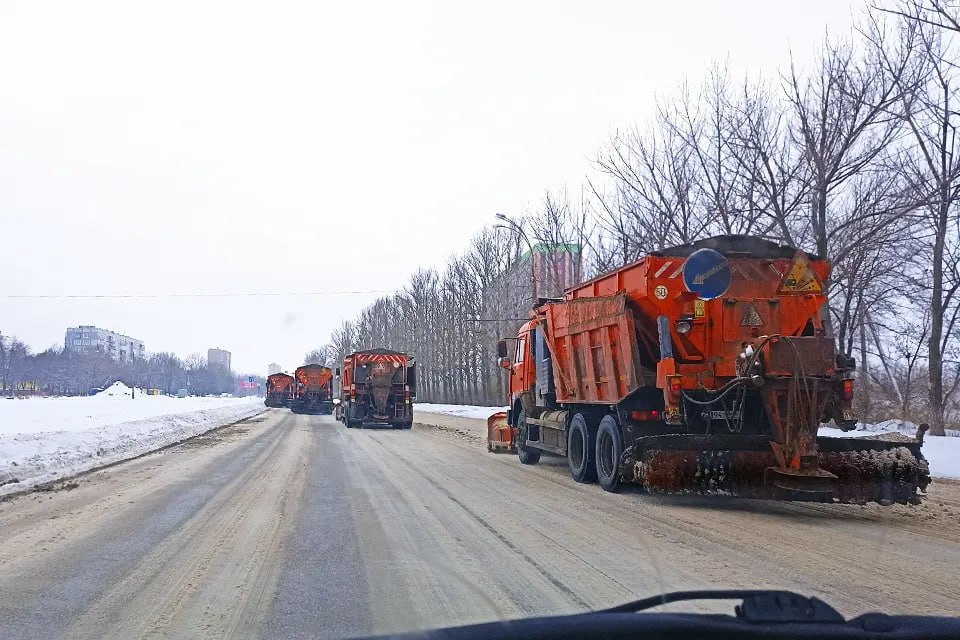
(701, 368)
(313, 389)
(377, 386)
(280, 387)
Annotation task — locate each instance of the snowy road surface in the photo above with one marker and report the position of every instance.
(293, 526)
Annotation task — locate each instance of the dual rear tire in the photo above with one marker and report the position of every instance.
(609, 451)
(594, 451)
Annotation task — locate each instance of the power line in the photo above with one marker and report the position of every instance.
(247, 294)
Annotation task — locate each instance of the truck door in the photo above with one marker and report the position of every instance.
(521, 378)
(412, 380)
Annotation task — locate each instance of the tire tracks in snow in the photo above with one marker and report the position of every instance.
(215, 575)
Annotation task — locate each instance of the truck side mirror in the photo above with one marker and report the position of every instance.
(504, 363)
(502, 349)
(338, 372)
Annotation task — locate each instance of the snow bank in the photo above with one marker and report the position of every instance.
(902, 426)
(42, 439)
(120, 389)
(462, 410)
(111, 406)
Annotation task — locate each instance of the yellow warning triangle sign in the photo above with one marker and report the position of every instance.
(800, 278)
(751, 317)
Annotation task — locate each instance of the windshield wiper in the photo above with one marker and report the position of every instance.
(755, 606)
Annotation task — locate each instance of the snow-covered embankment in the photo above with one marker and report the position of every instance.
(45, 439)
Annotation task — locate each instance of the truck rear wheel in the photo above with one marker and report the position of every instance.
(609, 451)
(527, 455)
(581, 443)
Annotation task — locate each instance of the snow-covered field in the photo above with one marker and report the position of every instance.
(943, 453)
(462, 410)
(43, 439)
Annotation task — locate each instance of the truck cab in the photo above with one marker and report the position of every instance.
(516, 356)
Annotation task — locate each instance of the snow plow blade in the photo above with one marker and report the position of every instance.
(848, 470)
(500, 434)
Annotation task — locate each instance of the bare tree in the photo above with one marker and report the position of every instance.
(14, 355)
(707, 126)
(777, 182)
(940, 14)
(930, 165)
(844, 119)
(322, 355)
(654, 175)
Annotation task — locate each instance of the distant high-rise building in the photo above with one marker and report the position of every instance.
(219, 357)
(273, 368)
(544, 272)
(90, 339)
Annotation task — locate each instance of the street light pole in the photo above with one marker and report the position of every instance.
(514, 226)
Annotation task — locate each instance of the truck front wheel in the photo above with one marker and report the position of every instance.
(581, 440)
(609, 452)
(527, 455)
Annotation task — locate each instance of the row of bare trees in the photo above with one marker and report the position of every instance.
(439, 318)
(56, 371)
(854, 158)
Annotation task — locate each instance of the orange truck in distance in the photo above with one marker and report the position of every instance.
(280, 387)
(378, 386)
(701, 368)
(313, 392)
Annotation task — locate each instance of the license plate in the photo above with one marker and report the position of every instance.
(721, 415)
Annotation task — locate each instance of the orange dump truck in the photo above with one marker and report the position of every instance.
(378, 386)
(280, 388)
(702, 368)
(313, 392)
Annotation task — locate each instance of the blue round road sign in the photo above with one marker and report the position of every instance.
(707, 274)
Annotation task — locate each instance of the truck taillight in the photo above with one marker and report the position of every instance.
(848, 389)
(675, 386)
(406, 394)
(641, 416)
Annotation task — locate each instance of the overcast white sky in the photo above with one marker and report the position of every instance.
(195, 147)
